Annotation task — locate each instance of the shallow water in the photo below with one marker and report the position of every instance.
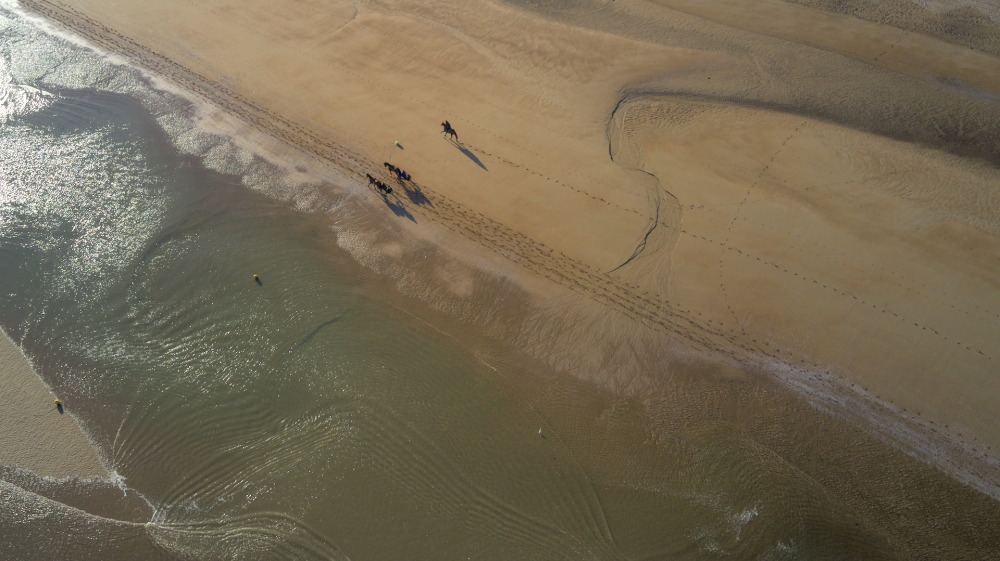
(312, 414)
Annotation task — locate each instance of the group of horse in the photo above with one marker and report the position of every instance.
(387, 189)
(382, 186)
(396, 171)
(401, 174)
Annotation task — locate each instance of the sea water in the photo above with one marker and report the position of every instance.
(258, 394)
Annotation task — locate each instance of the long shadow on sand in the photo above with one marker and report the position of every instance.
(467, 152)
(414, 193)
(397, 207)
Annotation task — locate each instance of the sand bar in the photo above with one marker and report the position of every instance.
(36, 436)
(818, 199)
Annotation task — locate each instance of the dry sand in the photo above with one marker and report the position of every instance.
(35, 436)
(796, 189)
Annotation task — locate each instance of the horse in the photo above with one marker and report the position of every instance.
(448, 130)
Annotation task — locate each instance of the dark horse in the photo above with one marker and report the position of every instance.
(381, 186)
(448, 130)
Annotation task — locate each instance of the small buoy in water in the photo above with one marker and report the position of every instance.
(255, 277)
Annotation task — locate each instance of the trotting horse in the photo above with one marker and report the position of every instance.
(448, 130)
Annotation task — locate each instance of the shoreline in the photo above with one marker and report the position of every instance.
(664, 306)
(36, 436)
(493, 235)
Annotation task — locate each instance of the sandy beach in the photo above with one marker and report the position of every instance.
(808, 194)
(36, 436)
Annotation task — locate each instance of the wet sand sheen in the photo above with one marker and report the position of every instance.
(537, 191)
(35, 435)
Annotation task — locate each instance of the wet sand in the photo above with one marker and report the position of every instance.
(781, 190)
(35, 435)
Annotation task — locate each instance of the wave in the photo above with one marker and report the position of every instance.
(17, 100)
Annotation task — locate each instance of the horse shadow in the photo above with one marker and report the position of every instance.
(397, 207)
(414, 193)
(468, 153)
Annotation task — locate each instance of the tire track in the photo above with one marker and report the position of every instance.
(736, 217)
(553, 180)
